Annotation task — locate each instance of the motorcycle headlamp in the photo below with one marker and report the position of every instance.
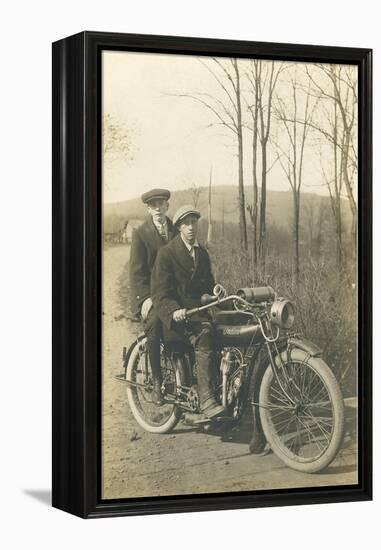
(282, 313)
(256, 295)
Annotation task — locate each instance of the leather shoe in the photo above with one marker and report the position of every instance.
(257, 444)
(213, 410)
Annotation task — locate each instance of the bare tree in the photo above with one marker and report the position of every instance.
(291, 148)
(210, 227)
(263, 77)
(340, 127)
(241, 192)
(223, 217)
(314, 218)
(195, 192)
(228, 113)
(116, 140)
(253, 208)
(334, 185)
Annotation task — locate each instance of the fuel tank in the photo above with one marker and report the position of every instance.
(236, 335)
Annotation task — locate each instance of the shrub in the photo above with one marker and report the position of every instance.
(325, 300)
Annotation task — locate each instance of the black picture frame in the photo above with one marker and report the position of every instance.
(77, 267)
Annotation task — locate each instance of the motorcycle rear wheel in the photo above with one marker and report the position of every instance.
(304, 429)
(153, 418)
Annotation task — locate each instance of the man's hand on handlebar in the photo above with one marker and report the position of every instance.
(179, 315)
(207, 302)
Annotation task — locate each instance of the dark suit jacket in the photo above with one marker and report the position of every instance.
(146, 241)
(176, 283)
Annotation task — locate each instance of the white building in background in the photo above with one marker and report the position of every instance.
(130, 226)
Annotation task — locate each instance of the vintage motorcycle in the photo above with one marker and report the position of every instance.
(294, 395)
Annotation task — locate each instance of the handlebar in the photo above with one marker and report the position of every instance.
(217, 302)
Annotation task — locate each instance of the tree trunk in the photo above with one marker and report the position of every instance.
(210, 228)
(348, 187)
(223, 218)
(339, 235)
(296, 232)
(262, 218)
(241, 194)
(337, 198)
(241, 189)
(255, 199)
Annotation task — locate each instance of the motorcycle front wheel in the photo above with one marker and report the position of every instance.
(303, 415)
(153, 418)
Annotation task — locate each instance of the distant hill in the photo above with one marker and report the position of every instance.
(279, 206)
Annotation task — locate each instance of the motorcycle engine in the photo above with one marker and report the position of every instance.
(232, 375)
(193, 399)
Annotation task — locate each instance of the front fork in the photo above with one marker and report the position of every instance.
(276, 369)
(293, 341)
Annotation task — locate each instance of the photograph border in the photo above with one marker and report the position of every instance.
(77, 273)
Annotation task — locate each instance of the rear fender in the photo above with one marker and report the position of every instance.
(127, 352)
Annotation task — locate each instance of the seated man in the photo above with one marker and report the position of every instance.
(181, 275)
(155, 232)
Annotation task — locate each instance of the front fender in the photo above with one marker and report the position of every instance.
(305, 345)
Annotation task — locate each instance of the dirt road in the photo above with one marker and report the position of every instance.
(136, 463)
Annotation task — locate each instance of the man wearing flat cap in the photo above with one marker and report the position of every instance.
(153, 234)
(181, 275)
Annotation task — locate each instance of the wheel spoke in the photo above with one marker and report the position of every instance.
(323, 430)
(303, 377)
(321, 420)
(281, 396)
(315, 384)
(321, 405)
(284, 418)
(307, 430)
(321, 391)
(292, 418)
(314, 440)
(310, 381)
(280, 408)
(304, 428)
(283, 422)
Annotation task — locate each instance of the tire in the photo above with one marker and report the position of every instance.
(153, 418)
(306, 431)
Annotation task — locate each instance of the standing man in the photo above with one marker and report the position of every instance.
(155, 232)
(181, 275)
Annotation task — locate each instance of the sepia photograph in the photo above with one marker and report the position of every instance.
(229, 275)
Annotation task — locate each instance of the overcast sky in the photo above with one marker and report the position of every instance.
(174, 141)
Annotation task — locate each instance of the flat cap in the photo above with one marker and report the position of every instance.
(184, 211)
(155, 194)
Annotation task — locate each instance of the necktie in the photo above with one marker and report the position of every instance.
(193, 252)
(162, 232)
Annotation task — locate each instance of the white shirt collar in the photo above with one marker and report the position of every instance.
(159, 225)
(190, 247)
(161, 228)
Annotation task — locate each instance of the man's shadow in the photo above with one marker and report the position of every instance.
(228, 431)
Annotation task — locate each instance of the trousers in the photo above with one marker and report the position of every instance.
(200, 335)
(204, 344)
(153, 330)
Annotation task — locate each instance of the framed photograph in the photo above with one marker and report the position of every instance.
(212, 268)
